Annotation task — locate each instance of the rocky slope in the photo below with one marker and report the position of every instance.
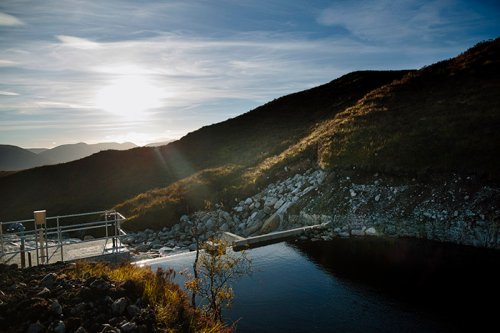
(45, 299)
(450, 208)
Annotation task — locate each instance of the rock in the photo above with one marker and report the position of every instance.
(254, 227)
(128, 240)
(352, 192)
(184, 219)
(143, 248)
(377, 197)
(48, 280)
(371, 231)
(60, 327)
(224, 227)
(45, 292)
(156, 245)
(109, 329)
(248, 201)
(279, 203)
(78, 309)
(81, 330)
(192, 247)
(133, 310)
(56, 308)
(271, 224)
(270, 201)
(165, 250)
(128, 327)
(267, 210)
(119, 306)
(88, 237)
(238, 209)
(357, 232)
(344, 234)
(36, 328)
(209, 224)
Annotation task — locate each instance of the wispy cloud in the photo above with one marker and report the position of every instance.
(9, 20)
(8, 93)
(77, 42)
(408, 21)
(211, 62)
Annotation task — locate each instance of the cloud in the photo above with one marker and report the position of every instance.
(9, 20)
(7, 63)
(8, 93)
(77, 42)
(396, 21)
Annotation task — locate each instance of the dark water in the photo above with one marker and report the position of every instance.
(366, 285)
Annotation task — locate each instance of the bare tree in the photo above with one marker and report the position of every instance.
(216, 267)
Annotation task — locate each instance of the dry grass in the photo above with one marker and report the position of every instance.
(171, 307)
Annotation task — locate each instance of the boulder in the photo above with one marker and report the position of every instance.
(371, 231)
(143, 248)
(279, 203)
(271, 224)
(165, 250)
(119, 306)
(357, 232)
(48, 280)
(253, 227)
(56, 308)
(270, 201)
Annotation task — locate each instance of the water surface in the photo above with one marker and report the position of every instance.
(364, 285)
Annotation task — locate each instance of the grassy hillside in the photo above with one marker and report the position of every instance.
(442, 118)
(108, 178)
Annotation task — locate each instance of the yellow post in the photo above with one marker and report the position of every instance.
(40, 220)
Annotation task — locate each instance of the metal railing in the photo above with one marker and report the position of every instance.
(23, 237)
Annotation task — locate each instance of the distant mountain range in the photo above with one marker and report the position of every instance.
(443, 118)
(14, 158)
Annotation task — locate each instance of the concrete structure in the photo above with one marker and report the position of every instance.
(240, 243)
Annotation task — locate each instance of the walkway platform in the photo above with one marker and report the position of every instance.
(88, 250)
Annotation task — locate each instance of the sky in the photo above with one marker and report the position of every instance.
(147, 71)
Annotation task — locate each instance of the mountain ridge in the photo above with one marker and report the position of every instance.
(14, 159)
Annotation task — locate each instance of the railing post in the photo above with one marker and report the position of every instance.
(115, 240)
(36, 243)
(59, 236)
(1, 240)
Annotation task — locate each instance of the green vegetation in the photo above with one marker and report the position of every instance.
(171, 307)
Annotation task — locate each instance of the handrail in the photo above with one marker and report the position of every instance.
(42, 235)
(64, 216)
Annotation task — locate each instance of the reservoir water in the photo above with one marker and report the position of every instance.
(365, 285)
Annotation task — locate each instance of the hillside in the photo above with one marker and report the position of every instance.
(108, 178)
(13, 158)
(71, 152)
(17, 158)
(441, 119)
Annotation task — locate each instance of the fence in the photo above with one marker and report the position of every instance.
(49, 238)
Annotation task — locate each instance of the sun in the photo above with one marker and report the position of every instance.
(129, 97)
